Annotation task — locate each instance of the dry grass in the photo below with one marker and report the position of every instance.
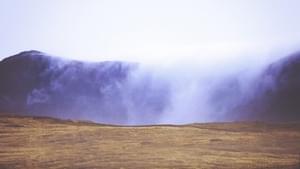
(27, 142)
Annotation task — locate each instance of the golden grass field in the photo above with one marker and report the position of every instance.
(28, 142)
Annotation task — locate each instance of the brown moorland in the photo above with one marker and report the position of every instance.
(36, 142)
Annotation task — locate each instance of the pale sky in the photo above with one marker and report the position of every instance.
(148, 31)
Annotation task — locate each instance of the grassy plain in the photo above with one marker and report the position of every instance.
(35, 142)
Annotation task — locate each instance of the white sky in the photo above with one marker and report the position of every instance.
(153, 31)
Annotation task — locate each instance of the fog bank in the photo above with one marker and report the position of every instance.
(184, 91)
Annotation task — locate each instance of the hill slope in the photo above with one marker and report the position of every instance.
(28, 142)
(34, 83)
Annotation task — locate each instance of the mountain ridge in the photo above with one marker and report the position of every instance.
(35, 83)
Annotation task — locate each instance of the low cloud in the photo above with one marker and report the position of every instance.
(132, 93)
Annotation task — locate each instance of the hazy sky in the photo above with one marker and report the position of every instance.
(148, 31)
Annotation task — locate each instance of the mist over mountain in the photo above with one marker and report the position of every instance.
(276, 94)
(34, 83)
